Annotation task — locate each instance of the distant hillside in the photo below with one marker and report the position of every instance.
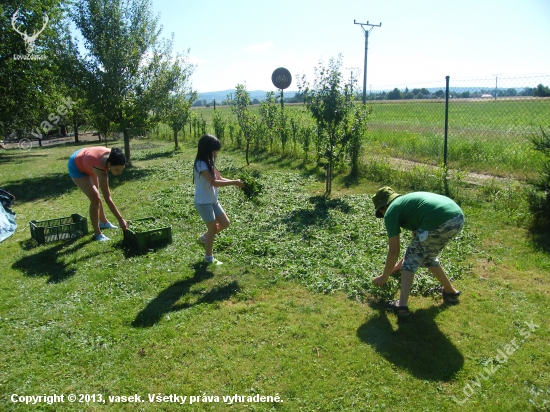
(254, 94)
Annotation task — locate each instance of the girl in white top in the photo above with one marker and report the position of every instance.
(207, 180)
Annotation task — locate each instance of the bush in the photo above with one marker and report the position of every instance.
(539, 199)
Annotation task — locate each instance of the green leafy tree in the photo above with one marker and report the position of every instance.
(172, 77)
(294, 131)
(511, 92)
(284, 133)
(540, 198)
(129, 70)
(353, 137)
(331, 103)
(307, 133)
(177, 112)
(541, 91)
(268, 113)
(219, 122)
(32, 32)
(395, 94)
(528, 91)
(246, 118)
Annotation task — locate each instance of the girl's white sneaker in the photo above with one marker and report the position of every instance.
(107, 225)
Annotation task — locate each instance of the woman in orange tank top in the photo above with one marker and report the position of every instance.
(89, 169)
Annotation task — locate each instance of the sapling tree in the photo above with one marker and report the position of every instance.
(268, 113)
(176, 112)
(540, 197)
(168, 95)
(246, 119)
(219, 122)
(340, 122)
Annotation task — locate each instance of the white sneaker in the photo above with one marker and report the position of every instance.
(107, 225)
(101, 238)
(214, 262)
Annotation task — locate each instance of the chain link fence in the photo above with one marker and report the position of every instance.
(477, 126)
(486, 123)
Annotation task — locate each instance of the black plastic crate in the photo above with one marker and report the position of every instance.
(62, 228)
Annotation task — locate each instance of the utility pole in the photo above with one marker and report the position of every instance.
(367, 32)
(496, 84)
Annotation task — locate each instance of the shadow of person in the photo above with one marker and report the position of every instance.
(166, 300)
(48, 261)
(417, 345)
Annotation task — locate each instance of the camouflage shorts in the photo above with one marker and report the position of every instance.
(425, 246)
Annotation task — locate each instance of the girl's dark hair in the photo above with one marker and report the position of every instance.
(207, 145)
(116, 157)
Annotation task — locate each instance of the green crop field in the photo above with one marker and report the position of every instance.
(484, 136)
(290, 321)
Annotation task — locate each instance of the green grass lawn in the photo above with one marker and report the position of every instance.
(289, 322)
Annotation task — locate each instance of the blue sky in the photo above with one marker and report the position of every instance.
(242, 41)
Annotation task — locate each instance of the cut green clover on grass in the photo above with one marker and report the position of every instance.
(252, 187)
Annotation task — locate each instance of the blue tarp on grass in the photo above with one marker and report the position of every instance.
(7, 224)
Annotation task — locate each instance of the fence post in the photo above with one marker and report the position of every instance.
(446, 135)
(446, 120)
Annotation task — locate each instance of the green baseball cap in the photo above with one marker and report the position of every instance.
(383, 197)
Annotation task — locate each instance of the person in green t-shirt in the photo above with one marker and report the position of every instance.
(434, 220)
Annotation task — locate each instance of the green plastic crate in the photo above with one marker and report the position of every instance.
(148, 239)
(62, 228)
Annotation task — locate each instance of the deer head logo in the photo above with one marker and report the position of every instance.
(29, 40)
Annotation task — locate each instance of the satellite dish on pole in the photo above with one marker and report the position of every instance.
(281, 78)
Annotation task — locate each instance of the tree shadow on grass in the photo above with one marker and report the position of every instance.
(57, 184)
(541, 241)
(27, 190)
(351, 180)
(150, 156)
(14, 156)
(47, 262)
(300, 219)
(417, 345)
(165, 302)
(539, 227)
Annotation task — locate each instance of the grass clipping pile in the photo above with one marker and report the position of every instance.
(252, 187)
(143, 225)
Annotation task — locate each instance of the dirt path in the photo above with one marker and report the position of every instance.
(470, 177)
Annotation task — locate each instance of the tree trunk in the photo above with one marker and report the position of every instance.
(247, 146)
(329, 173)
(176, 138)
(127, 147)
(75, 126)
